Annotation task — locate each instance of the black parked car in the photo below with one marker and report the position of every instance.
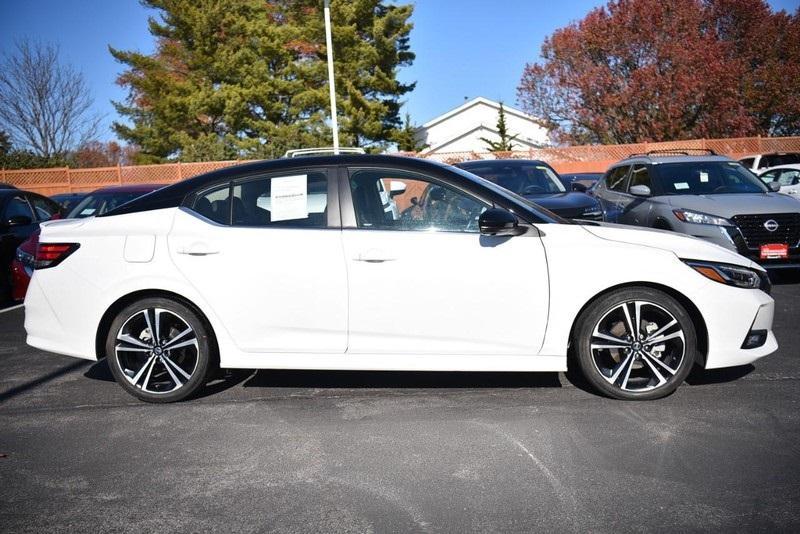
(22, 211)
(538, 182)
(68, 200)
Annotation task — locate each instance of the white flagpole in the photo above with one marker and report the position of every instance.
(331, 83)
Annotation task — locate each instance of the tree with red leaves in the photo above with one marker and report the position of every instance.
(659, 70)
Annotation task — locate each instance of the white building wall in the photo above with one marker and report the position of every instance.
(460, 130)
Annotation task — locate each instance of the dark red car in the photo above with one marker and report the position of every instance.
(95, 203)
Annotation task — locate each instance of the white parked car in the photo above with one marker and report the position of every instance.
(759, 162)
(207, 273)
(788, 176)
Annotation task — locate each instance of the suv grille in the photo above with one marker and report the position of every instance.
(756, 234)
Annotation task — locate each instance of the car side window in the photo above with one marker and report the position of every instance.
(214, 204)
(789, 177)
(640, 175)
(768, 177)
(44, 208)
(747, 162)
(388, 199)
(616, 178)
(18, 207)
(297, 200)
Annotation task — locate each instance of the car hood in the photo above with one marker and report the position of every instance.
(557, 201)
(683, 246)
(728, 205)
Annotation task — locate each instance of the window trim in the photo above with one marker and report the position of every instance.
(350, 222)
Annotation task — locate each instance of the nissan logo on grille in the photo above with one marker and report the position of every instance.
(771, 225)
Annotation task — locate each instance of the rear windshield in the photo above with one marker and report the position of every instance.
(100, 203)
(707, 178)
(520, 178)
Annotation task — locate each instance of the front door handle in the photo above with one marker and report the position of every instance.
(197, 249)
(374, 256)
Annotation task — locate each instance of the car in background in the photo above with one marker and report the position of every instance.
(168, 289)
(21, 211)
(787, 176)
(96, 203)
(582, 182)
(106, 199)
(537, 182)
(759, 162)
(68, 200)
(707, 196)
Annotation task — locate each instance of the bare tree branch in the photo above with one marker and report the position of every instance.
(44, 106)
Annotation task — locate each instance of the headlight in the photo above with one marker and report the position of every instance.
(700, 218)
(732, 275)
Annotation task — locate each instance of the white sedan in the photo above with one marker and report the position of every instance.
(296, 264)
(787, 176)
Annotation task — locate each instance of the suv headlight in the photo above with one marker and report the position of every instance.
(700, 218)
(732, 275)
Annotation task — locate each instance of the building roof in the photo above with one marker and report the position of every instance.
(475, 102)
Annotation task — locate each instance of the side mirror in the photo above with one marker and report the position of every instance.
(396, 188)
(774, 186)
(579, 187)
(19, 220)
(640, 191)
(498, 222)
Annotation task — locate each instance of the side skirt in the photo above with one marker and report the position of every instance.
(396, 362)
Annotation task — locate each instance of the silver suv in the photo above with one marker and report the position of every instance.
(711, 197)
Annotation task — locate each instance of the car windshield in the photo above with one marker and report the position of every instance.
(707, 178)
(99, 203)
(521, 178)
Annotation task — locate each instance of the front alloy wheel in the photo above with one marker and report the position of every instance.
(158, 350)
(636, 344)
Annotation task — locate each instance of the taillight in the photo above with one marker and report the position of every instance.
(51, 254)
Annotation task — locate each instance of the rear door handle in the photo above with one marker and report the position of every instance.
(197, 249)
(374, 256)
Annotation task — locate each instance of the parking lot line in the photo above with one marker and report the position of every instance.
(12, 308)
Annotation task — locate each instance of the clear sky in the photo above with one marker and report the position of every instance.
(465, 48)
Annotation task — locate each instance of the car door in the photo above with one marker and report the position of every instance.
(636, 210)
(790, 181)
(611, 192)
(427, 282)
(265, 252)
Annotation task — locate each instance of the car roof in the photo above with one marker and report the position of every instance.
(790, 166)
(131, 188)
(508, 161)
(174, 195)
(666, 158)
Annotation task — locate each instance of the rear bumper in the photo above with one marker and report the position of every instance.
(46, 332)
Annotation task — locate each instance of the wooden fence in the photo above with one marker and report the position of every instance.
(589, 158)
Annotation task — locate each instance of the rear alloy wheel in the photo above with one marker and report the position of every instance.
(636, 343)
(158, 350)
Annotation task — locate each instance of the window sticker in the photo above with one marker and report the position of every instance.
(703, 176)
(289, 198)
(681, 185)
(88, 211)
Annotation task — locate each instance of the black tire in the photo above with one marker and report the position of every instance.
(175, 373)
(610, 370)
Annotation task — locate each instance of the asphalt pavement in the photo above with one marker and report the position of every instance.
(399, 452)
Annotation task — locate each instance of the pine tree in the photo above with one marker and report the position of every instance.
(248, 78)
(406, 137)
(505, 144)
